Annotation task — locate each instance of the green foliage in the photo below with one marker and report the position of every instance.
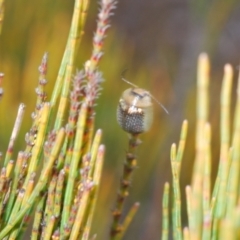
(211, 215)
(60, 147)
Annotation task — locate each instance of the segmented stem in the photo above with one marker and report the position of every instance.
(129, 165)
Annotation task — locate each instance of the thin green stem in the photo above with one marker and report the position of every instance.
(74, 165)
(72, 45)
(165, 211)
(39, 187)
(15, 131)
(78, 28)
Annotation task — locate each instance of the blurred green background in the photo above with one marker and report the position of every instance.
(159, 42)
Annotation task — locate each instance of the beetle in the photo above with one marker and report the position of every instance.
(135, 109)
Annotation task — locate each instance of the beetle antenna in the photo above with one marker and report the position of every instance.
(125, 80)
(135, 86)
(158, 103)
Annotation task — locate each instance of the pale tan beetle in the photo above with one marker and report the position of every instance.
(135, 109)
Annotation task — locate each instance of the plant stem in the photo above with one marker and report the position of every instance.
(129, 165)
(14, 135)
(165, 212)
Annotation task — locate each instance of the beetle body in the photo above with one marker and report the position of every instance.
(135, 111)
